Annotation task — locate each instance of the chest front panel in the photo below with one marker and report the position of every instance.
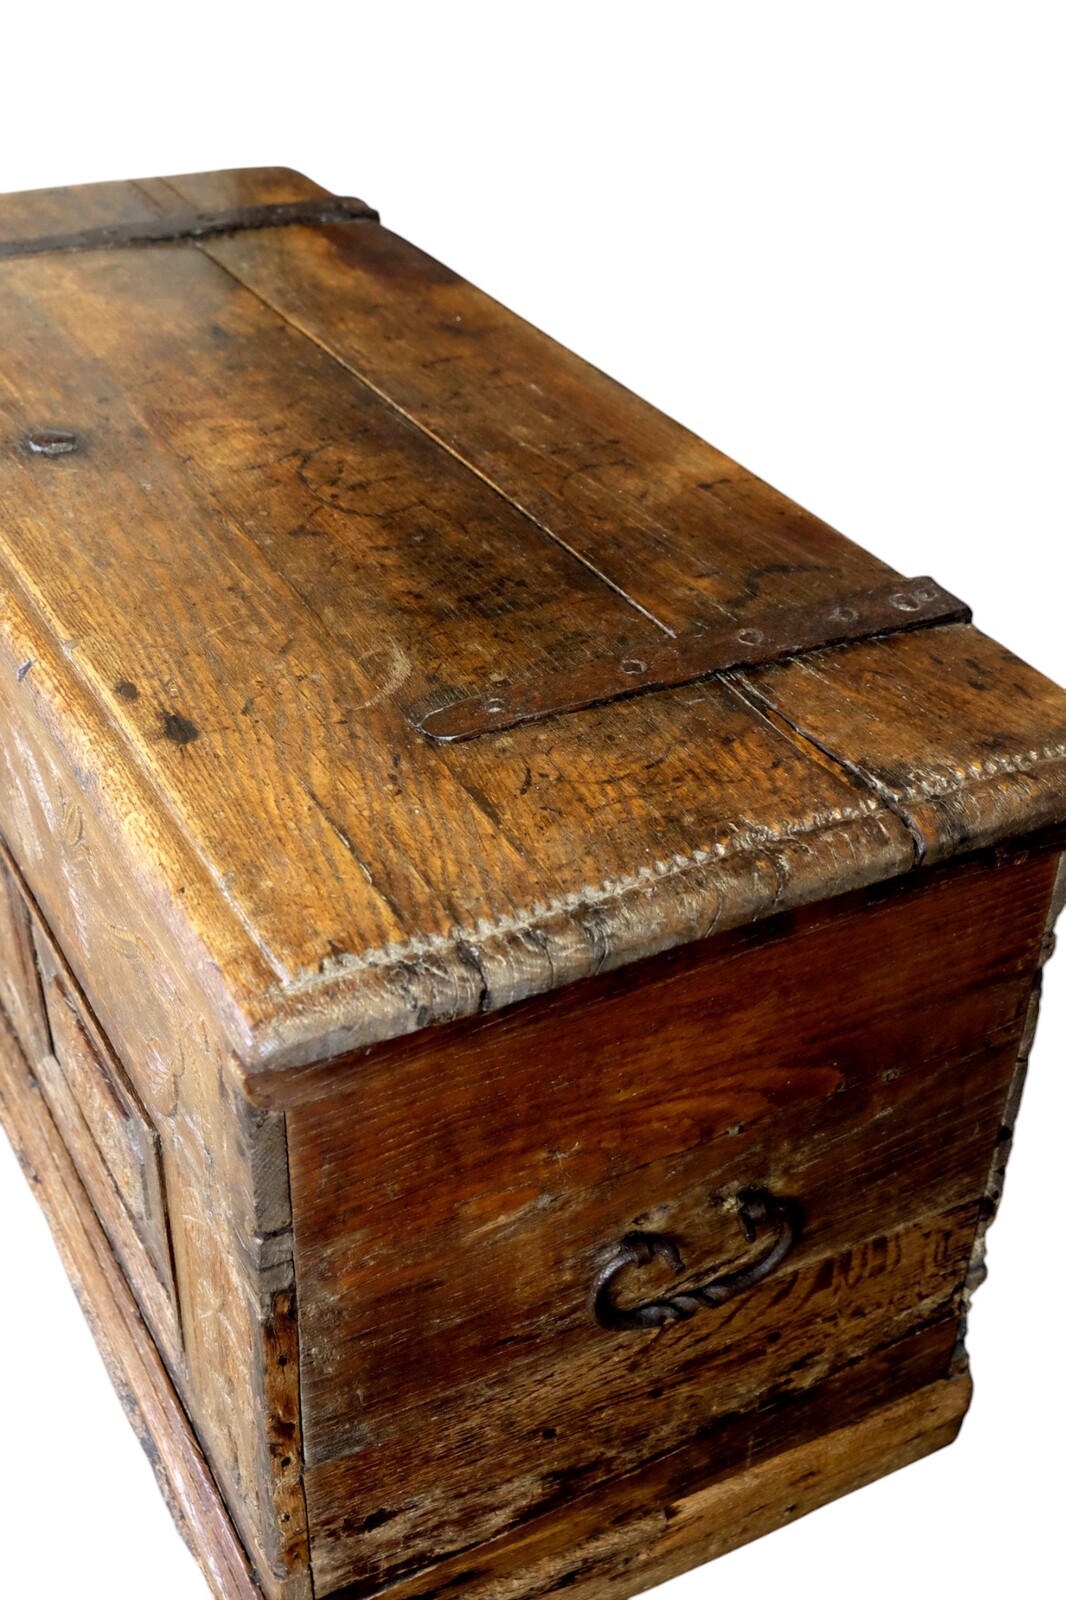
(455, 1201)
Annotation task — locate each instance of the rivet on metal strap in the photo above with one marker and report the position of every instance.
(889, 608)
(52, 442)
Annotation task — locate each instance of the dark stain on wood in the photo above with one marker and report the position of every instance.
(178, 728)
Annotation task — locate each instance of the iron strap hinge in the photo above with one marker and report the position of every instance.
(189, 226)
(898, 606)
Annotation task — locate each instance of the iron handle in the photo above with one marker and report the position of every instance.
(758, 1210)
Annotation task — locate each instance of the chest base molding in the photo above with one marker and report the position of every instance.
(624, 1542)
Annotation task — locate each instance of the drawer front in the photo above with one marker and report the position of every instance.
(20, 984)
(112, 1141)
(458, 1198)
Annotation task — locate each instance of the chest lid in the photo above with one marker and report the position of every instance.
(332, 583)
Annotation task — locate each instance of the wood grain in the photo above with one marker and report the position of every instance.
(654, 1525)
(117, 1153)
(371, 835)
(126, 1346)
(226, 1182)
(20, 987)
(527, 1444)
(372, 523)
(676, 525)
(302, 995)
(447, 1237)
(893, 719)
(701, 1522)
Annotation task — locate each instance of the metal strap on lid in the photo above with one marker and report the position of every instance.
(188, 226)
(897, 606)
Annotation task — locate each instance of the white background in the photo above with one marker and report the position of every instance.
(828, 238)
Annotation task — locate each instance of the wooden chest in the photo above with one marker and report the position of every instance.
(518, 945)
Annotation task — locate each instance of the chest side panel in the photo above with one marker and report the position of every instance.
(114, 1145)
(455, 1199)
(222, 1164)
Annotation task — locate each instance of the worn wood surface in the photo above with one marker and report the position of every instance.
(117, 1154)
(224, 1164)
(20, 986)
(373, 523)
(1001, 1155)
(703, 1513)
(448, 1234)
(128, 1350)
(643, 1531)
(283, 648)
(320, 487)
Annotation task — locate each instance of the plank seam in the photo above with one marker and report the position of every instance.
(435, 439)
(762, 704)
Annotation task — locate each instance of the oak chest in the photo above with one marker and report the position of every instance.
(518, 944)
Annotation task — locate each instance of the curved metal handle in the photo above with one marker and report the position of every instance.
(758, 1209)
